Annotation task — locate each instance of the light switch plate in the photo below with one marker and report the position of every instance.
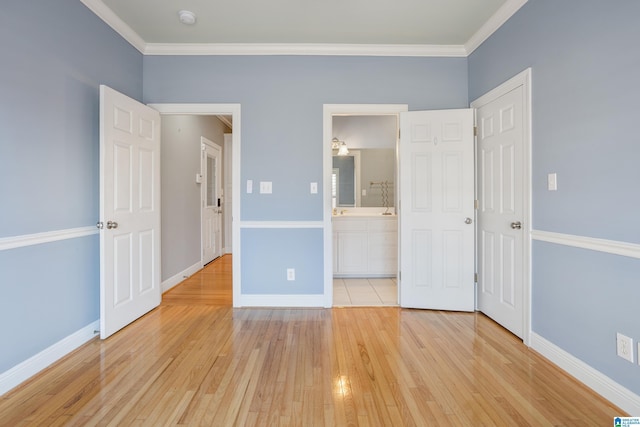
(552, 182)
(249, 186)
(313, 188)
(265, 187)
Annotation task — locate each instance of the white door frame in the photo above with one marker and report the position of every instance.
(522, 79)
(329, 110)
(219, 110)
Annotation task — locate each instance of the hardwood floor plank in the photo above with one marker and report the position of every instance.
(197, 361)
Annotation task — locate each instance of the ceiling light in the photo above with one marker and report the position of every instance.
(187, 17)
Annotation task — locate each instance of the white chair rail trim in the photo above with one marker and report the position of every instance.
(13, 242)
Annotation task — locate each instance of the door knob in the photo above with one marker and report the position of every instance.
(517, 225)
(468, 220)
(111, 224)
(100, 225)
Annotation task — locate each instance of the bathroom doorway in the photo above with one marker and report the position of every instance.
(361, 199)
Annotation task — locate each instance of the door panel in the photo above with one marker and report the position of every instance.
(211, 193)
(129, 210)
(437, 196)
(500, 193)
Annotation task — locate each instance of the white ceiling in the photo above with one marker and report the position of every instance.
(342, 27)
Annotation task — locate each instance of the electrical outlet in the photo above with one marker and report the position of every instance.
(291, 274)
(624, 347)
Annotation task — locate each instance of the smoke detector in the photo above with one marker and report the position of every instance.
(187, 17)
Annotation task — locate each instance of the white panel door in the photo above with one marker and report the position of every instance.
(500, 210)
(437, 210)
(129, 210)
(211, 201)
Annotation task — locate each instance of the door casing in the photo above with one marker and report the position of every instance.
(217, 110)
(330, 110)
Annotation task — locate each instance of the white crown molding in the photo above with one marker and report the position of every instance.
(304, 49)
(416, 50)
(117, 24)
(631, 250)
(501, 16)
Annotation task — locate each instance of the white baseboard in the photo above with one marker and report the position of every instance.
(174, 280)
(25, 370)
(596, 380)
(288, 301)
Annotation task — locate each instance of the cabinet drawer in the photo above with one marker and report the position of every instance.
(349, 224)
(382, 225)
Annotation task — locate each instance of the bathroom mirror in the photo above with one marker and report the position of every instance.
(366, 176)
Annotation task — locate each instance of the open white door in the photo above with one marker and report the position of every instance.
(503, 194)
(211, 201)
(129, 210)
(437, 245)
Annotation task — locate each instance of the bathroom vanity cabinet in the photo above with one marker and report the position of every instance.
(365, 246)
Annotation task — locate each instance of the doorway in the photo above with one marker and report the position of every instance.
(360, 225)
(233, 112)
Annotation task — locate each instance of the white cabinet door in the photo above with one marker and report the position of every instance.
(129, 210)
(437, 210)
(352, 247)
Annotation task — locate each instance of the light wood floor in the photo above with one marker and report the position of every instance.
(197, 361)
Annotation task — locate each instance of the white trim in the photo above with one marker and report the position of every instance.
(316, 49)
(522, 79)
(45, 237)
(234, 111)
(596, 380)
(281, 224)
(272, 300)
(506, 11)
(328, 111)
(25, 370)
(182, 275)
(631, 250)
(117, 24)
(334, 49)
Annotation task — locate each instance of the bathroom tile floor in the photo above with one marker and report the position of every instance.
(365, 292)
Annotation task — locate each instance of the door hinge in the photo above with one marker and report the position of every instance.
(475, 277)
(476, 204)
(400, 275)
(475, 131)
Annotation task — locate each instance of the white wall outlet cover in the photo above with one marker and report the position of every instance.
(249, 186)
(265, 187)
(291, 274)
(624, 347)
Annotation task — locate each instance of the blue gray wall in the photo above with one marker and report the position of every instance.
(585, 59)
(54, 56)
(282, 101)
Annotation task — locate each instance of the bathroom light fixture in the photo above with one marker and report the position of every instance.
(341, 146)
(187, 17)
